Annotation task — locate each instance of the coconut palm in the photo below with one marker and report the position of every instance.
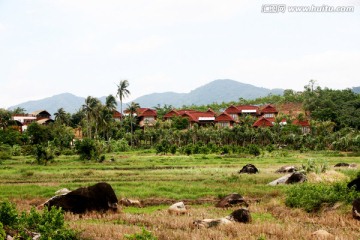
(132, 108)
(122, 92)
(90, 108)
(61, 116)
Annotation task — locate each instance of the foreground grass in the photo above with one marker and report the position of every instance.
(198, 180)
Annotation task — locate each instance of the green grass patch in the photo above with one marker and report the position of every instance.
(311, 197)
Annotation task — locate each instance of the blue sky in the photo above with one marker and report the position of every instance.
(86, 47)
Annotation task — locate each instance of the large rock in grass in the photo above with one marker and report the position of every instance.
(356, 209)
(249, 168)
(342, 164)
(177, 208)
(286, 169)
(231, 200)
(241, 215)
(296, 177)
(355, 183)
(99, 197)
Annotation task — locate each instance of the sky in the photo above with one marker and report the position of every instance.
(85, 47)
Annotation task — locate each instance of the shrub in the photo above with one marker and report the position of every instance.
(173, 149)
(2, 232)
(88, 149)
(311, 197)
(312, 166)
(5, 152)
(120, 145)
(225, 150)
(162, 147)
(49, 224)
(188, 149)
(8, 214)
(144, 235)
(44, 154)
(254, 150)
(16, 150)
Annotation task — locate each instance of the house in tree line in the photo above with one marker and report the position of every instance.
(146, 117)
(117, 115)
(42, 117)
(194, 117)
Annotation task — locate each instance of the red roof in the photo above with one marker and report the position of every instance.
(304, 123)
(199, 116)
(177, 112)
(263, 122)
(241, 109)
(146, 112)
(224, 117)
(269, 109)
(231, 110)
(117, 114)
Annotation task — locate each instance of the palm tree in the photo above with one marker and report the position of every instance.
(90, 107)
(61, 116)
(132, 108)
(106, 114)
(122, 92)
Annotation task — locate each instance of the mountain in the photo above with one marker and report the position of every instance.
(222, 90)
(356, 90)
(69, 102)
(219, 91)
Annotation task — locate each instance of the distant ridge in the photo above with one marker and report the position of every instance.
(217, 91)
(69, 102)
(356, 89)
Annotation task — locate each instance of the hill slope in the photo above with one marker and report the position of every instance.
(216, 91)
(219, 91)
(69, 102)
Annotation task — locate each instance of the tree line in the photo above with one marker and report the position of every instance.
(334, 116)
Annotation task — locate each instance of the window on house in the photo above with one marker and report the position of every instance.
(224, 124)
(269, 115)
(234, 116)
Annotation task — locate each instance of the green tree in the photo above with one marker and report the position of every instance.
(132, 108)
(62, 117)
(122, 92)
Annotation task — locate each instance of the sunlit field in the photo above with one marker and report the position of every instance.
(199, 181)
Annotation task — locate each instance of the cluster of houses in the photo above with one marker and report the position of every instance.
(42, 117)
(232, 115)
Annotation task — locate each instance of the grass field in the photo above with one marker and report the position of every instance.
(198, 180)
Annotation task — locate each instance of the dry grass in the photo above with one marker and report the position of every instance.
(271, 220)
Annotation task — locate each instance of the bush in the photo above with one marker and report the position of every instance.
(16, 150)
(311, 197)
(8, 214)
(44, 154)
(312, 166)
(254, 150)
(173, 149)
(49, 224)
(163, 147)
(120, 145)
(2, 232)
(5, 152)
(144, 235)
(88, 149)
(188, 149)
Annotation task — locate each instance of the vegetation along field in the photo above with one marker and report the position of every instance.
(199, 180)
